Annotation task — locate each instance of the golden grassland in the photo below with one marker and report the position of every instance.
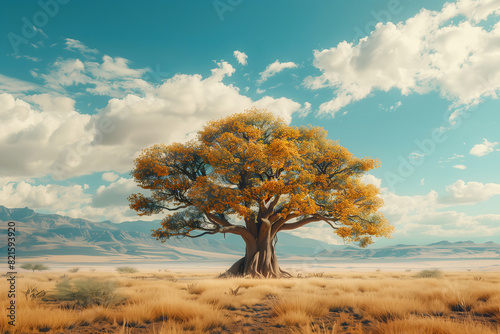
(349, 302)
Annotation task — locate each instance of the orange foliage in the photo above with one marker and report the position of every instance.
(256, 167)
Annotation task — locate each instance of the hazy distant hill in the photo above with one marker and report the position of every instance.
(438, 250)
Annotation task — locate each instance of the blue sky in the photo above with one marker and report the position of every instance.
(84, 86)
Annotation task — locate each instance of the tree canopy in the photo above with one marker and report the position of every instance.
(252, 175)
(34, 266)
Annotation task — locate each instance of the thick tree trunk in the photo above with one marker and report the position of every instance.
(260, 261)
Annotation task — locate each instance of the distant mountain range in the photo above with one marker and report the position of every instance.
(53, 236)
(439, 250)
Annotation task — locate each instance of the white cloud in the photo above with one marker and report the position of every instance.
(33, 138)
(111, 77)
(109, 203)
(76, 45)
(67, 72)
(424, 53)
(391, 108)
(426, 215)
(460, 167)
(115, 194)
(16, 87)
(274, 68)
(18, 56)
(48, 197)
(43, 135)
(455, 156)
(400, 206)
(222, 70)
(395, 106)
(305, 110)
(469, 193)
(113, 68)
(422, 181)
(482, 149)
(52, 104)
(415, 156)
(458, 193)
(370, 179)
(241, 57)
(446, 225)
(110, 176)
(423, 216)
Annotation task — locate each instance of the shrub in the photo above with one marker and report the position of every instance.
(126, 270)
(74, 270)
(88, 292)
(34, 294)
(429, 273)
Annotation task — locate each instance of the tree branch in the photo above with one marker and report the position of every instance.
(297, 224)
(173, 209)
(280, 222)
(217, 220)
(227, 227)
(268, 208)
(302, 222)
(199, 235)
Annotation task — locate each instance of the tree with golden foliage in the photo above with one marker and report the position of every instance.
(252, 175)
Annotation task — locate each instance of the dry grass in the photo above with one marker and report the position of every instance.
(161, 302)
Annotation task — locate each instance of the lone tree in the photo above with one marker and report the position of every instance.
(34, 266)
(252, 175)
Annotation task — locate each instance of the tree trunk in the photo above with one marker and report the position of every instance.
(260, 261)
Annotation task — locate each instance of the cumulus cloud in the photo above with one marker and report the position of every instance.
(110, 176)
(115, 194)
(43, 134)
(458, 193)
(370, 179)
(274, 68)
(66, 72)
(112, 76)
(426, 52)
(429, 215)
(52, 103)
(48, 197)
(482, 149)
(241, 57)
(109, 203)
(113, 68)
(32, 137)
(448, 224)
(469, 192)
(426, 215)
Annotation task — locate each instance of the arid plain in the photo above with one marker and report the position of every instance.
(380, 301)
